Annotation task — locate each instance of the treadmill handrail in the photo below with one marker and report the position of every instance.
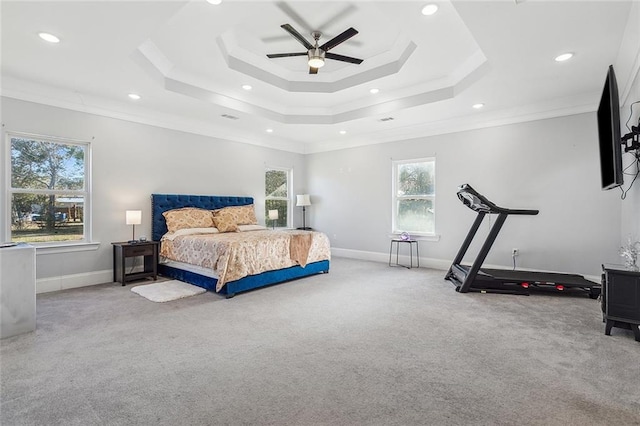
(479, 203)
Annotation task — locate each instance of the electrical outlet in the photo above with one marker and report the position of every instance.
(515, 252)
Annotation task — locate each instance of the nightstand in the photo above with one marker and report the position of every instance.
(147, 249)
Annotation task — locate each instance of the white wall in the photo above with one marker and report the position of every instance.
(551, 165)
(132, 161)
(630, 223)
(627, 68)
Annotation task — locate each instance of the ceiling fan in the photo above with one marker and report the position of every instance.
(317, 54)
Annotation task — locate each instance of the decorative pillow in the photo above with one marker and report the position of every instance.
(243, 215)
(188, 217)
(225, 221)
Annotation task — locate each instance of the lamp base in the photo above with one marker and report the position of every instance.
(305, 228)
(133, 241)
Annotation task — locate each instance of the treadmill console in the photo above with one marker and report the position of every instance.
(479, 203)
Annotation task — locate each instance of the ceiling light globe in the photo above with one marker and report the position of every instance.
(478, 105)
(316, 62)
(316, 58)
(214, 2)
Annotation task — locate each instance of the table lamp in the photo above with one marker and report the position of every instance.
(134, 217)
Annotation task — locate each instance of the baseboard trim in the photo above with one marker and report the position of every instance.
(64, 282)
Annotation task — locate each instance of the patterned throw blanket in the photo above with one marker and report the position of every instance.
(235, 255)
(299, 246)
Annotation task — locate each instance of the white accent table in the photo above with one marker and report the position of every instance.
(17, 290)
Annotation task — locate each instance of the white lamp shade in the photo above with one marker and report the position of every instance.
(303, 200)
(273, 214)
(134, 217)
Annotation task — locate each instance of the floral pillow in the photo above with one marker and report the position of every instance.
(242, 215)
(225, 221)
(188, 217)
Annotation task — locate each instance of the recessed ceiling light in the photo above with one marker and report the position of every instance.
(49, 37)
(343, 132)
(429, 9)
(134, 96)
(564, 57)
(216, 2)
(478, 106)
(374, 91)
(269, 130)
(247, 87)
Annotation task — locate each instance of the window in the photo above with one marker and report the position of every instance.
(277, 190)
(49, 189)
(414, 196)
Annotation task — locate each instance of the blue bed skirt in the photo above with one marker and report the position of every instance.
(247, 283)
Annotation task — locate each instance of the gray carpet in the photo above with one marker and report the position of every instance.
(364, 344)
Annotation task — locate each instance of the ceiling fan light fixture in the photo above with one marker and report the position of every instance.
(316, 58)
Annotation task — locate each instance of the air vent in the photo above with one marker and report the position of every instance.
(230, 117)
(386, 119)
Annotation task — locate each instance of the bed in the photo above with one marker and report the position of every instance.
(208, 279)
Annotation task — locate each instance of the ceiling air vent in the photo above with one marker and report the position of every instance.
(386, 119)
(230, 117)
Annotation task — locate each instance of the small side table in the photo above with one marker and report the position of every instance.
(411, 245)
(147, 249)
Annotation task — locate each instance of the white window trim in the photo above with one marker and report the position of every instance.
(289, 198)
(87, 242)
(429, 236)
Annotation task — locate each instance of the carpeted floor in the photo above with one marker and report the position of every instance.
(364, 344)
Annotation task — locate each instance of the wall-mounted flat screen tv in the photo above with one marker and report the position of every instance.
(609, 133)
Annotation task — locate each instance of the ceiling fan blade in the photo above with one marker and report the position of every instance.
(283, 6)
(288, 28)
(343, 58)
(313, 70)
(285, 55)
(347, 34)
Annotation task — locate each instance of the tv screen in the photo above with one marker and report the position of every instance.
(609, 133)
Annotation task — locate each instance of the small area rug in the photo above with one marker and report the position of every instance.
(166, 291)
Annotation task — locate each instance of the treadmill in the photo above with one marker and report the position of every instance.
(475, 278)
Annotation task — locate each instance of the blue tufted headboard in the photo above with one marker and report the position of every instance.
(160, 203)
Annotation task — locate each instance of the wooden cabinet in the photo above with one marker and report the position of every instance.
(621, 299)
(147, 249)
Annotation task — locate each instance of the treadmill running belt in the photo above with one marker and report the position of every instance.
(538, 277)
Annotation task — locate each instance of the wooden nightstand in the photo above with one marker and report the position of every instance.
(147, 249)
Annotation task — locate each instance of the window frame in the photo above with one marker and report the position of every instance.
(395, 198)
(86, 193)
(288, 198)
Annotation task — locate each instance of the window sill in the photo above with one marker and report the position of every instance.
(414, 237)
(64, 248)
